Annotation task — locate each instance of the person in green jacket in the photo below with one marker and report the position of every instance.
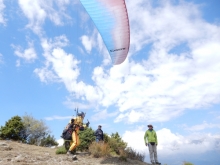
(150, 139)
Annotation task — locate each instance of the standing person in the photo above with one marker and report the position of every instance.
(99, 134)
(150, 139)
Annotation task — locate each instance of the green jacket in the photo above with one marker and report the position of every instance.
(150, 136)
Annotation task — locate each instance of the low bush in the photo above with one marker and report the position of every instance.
(99, 149)
(116, 144)
(86, 138)
(48, 141)
(123, 158)
(61, 150)
(187, 163)
(132, 154)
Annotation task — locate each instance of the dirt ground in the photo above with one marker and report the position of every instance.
(23, 154)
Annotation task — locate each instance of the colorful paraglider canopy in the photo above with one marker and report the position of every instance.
(111, 19)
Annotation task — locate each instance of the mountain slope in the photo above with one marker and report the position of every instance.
(23, 154)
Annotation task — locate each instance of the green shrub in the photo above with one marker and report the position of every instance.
(187, 163)
(86, 138)
(106, 137)
(48, 141)
(99, 149)
(116, 143)
(61, 150)
(13, 129)
(132, 154)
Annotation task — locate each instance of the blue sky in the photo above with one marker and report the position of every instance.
(52, 59)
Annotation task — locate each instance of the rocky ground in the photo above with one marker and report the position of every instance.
(23, 154)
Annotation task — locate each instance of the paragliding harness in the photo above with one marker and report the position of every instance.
(67, 132)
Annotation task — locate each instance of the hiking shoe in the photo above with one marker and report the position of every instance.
(69, 153)
(158, 163)
(74, 157)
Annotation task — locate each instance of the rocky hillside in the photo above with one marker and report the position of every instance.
(23, 154)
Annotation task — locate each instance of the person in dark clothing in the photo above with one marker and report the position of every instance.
(99, 134)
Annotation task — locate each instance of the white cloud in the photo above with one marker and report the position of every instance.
(173, 144)
(131, 116)
(59, 65)
(45, 75)
(63, 67)
(135, 140)
(60, 142)
(29, 54)
(87, 43)
(2, 7)
(102, 115)
(202, 126)
(166, 24)
(37, 11)
(73, 104)
(58, 117)
(95, 41)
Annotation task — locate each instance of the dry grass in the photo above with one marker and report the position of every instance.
(99, 149)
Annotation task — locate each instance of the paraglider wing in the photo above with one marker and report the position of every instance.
(111, 20)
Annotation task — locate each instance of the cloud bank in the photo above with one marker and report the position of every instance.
(173, 144)
(178, 71)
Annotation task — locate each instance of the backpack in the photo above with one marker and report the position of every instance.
(67, 132)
